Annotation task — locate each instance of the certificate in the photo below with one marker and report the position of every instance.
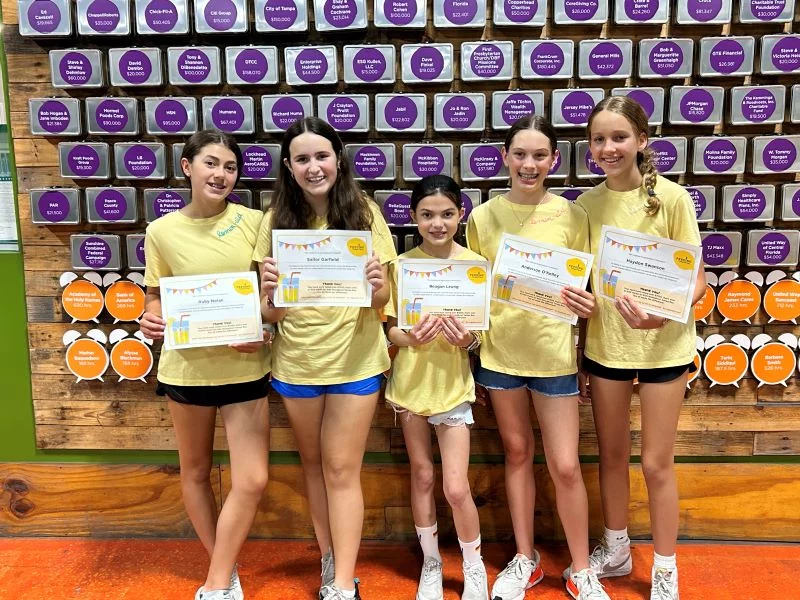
(455, 288)
(659, 274)
(321, 267)
(530, 275)
(210, 310)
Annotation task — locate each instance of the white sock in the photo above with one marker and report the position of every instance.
(615, 537)
(429, 540)
(471, 551)
(349, 593)
(667, 563)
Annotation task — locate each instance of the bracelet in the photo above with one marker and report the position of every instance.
(473, 345)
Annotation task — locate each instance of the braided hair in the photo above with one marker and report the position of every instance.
(635, 115)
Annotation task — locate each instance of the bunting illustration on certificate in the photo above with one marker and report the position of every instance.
(456, 288)
(530, 275)
(321, 267)
(210, 310)
(659, 274)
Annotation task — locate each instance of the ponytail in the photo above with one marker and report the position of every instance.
(649, 175)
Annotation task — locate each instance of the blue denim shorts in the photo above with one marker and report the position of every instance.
(560, 385)
(362, 387)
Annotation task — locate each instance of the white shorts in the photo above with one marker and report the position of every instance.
(459, 416)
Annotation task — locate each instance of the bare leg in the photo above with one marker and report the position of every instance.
(417, 434)
(454, 446)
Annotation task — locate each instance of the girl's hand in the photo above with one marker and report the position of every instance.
(248, 347)
(425, 331)
(454, 332)
(152, 326)
(635, 316)
(584, 391)
(481, 395)
(578, 301)
(269, 277)
(375, 273)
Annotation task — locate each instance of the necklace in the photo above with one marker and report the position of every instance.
(527, 217)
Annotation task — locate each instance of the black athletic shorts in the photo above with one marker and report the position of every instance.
(215, 395)
(659, 375)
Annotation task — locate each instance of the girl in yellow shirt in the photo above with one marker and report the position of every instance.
(212, 235)
(329, 361)
(623, 342)
(431, 384)
(527, 357)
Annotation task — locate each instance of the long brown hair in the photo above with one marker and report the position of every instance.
(348, 207)
(635, 115)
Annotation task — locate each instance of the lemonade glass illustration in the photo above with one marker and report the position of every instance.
(174, 328)
(290, 287)
(504, 286)
(609, 282)
(413, 310)
(183, 335)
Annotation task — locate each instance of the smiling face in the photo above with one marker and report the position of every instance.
(437, 218)
(529, 159)
(212, 173)
(614, 144)
(313, 165)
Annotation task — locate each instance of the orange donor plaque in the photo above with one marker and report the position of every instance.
(782, 300)
(739, 300)
(725, 364)
(125, 301)
(82, 300)
(131, 359)
(702, 310)
(87, 359)
(773, 364)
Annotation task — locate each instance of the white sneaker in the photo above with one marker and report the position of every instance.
(331, 592)
(476, 584)
(237, 593)
(328, 573)
(520, 575)
(430, 581)
(584, 585)
(664, 585)
(608, 561)
(201, 594)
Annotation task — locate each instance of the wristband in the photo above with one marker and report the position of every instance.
(473, 345)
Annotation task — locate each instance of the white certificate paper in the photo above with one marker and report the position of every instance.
(210, 310)
(659, 274)
(530, 274)
(458, 288)
(322, 267)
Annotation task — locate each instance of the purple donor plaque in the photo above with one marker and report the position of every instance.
(427, 63)
(75, 68)
(369, 162)
(456, 12)
(161, 15)
(311, 65)
(53, 206)
(592, 166)
(83, 161)
(699, 200)
(576, 107)
(111, 116)
(397, 209)
(795, 203)
(605, 59)
(343, 113)
(220, 15)
(140, 251)
(427, 161)
(44, 16)
(773, 248)
(640, 11)
(779, 155)
(520, 11)
(459, 112)
(53, 117)
(286, 111)
(485, 162)
(547, 59)
(140, 161)
(766, 10)
(703, 11)
(727, 56)
(400, 113)
(340, 14)
(95, 252)
(486, 61)
(515, 107)
(665, 155)
(171, 116)
(786, 54)
(399, 13)
(720, 156)
(645, 100)
(110, 205)
(227, 115)
(102, 16)
(194, 66)
(280, 14)
(167, 202)
(717, 249)
(135, 67)
(748, 203)
(696, 105)
(369, 64)
(665, 58)
(758, 105)
(256, 162)
(251, 65)
(581, 10)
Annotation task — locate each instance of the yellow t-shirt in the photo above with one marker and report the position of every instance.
(521, 342)
(434, 378)
(177, 245)
(324, 345)
(609, 339)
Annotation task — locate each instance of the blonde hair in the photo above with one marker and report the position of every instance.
(635, 115)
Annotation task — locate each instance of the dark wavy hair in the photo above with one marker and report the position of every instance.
(535, 122)
(348, 206)
(201, 139)
(431, 186)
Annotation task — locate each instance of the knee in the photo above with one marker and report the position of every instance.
(518, 450)
(195, 472)
(615, 456)
(457, 492)
(566, 473)
(423, 475)
(252, 484)
(657, 470)
(340, 474)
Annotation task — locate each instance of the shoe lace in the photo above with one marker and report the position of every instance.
(431, 570)
(663, 584)
(474, 575)
(589, 585)
(515, 569)
(599, 554)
